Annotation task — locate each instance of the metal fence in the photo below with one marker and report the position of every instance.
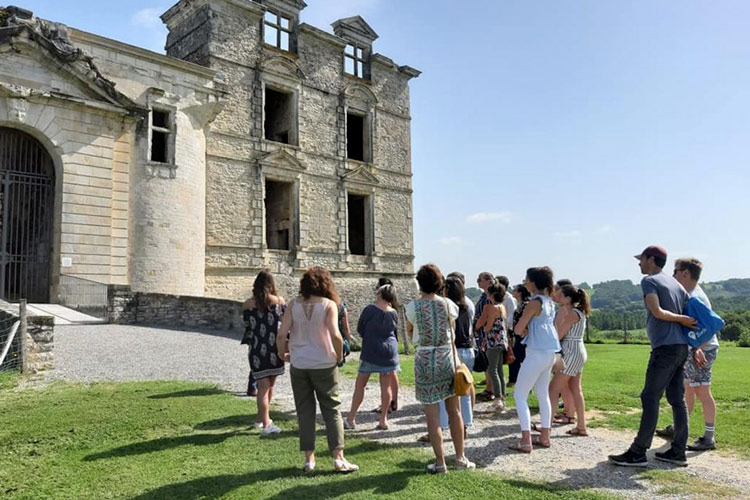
(86, 296)
(11, 347)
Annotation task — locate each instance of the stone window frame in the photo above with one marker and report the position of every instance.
(359, 99)
(166, 169)
(277, 25)
(368, 123)
(284, 86)
(369, 193)
(282, 175)
(360, 60)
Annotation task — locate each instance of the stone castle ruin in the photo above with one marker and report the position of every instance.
(257, 141)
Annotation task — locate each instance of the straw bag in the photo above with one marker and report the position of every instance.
(463, 380)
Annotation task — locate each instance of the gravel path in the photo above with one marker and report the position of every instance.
(89, 353)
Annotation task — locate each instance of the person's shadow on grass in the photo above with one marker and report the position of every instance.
(217, 486)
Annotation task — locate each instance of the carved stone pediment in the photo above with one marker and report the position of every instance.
(360, 93)
(361, 175)
(281, 159)
(282, 67)
(24, 35)
(355, 28)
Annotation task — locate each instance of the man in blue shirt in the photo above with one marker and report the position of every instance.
(665, 299)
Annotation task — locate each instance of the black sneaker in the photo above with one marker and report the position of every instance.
(666, 433)
(701, 444)
(629, 459)
(672, 457)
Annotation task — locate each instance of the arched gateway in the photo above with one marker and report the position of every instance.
(27, 183)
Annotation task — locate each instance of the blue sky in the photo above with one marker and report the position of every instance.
(570, 133)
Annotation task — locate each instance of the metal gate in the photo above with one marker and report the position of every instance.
(27, 191)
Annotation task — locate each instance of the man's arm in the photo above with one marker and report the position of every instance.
(652, 303)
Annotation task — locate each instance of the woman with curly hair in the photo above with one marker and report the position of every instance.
(315, 347)
(262, 314)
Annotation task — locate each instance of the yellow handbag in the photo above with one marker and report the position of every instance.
(463, 380)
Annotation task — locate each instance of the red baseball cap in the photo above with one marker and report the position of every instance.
(653, 251)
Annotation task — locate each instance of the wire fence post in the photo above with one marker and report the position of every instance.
(22, 332)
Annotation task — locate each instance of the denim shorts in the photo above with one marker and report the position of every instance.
(367, 367)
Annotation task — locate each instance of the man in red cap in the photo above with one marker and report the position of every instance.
(665, 299)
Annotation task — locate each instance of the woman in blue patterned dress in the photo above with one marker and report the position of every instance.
(429, 319)
(262, 315)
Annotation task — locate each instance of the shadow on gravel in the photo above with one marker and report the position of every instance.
(203, 391)
(618, 478)
(227, 334)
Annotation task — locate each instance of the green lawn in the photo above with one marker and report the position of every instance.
(174, 440)
(613, 379)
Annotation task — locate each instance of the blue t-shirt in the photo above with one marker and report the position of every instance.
(672, 298)
(378, 331)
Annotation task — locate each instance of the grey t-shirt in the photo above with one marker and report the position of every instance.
(672, 298)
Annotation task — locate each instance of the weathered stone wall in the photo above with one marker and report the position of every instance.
(129, 307)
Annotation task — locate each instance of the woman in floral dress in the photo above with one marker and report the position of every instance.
(429, 319)
(262, 315)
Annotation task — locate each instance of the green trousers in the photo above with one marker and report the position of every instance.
(323, 384)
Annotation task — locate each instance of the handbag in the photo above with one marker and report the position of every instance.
(463, 380)
(510, 356)
(481, 363)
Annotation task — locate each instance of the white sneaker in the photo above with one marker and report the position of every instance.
(271, 429)
(259, 425)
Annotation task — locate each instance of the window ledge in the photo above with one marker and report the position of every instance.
(161, 170)
(282, 144)
(277, 51)
(358, 79)
(360, 163)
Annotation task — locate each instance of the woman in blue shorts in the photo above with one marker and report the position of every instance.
(377, 326)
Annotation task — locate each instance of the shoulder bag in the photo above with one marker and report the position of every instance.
(463, 380)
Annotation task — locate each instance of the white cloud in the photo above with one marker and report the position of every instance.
(479, 217)
(147, 18)
(568, 235)
(451, 240)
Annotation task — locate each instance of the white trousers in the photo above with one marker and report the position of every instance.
(534, 372)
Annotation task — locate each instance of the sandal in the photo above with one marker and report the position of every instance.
(523, 448)
(344, 466)
(563, 419)
(575, 431)
(394, 406)
(348, 426)
(308, 467)
(424, 438)
(380, 427)
(437, 469)
(465, 464)
(537, 441)
(536, 427)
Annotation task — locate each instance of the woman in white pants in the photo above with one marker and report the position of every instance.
(537, 326)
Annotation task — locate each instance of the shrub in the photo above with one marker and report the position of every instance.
(744, 340)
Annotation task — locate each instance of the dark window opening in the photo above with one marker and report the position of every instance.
(161, 129)
(355, 137)
(357, 224)
(279, 223)
(279, 124)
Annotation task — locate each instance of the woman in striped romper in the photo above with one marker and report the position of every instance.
(571, 331)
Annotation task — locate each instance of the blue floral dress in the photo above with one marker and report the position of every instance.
(261, 327)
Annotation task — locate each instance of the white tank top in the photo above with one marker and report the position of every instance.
(310, 346)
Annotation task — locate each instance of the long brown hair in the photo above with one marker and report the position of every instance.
(578, 298)
(317, 281)
(263, 287)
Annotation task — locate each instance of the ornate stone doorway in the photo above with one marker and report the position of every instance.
(27, 183)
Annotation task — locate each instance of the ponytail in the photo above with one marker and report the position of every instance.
(578, 298)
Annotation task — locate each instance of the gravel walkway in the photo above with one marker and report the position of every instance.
(89, 353)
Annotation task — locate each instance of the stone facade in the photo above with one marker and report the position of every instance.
(38, 344)
(261, 171)
(227, 36)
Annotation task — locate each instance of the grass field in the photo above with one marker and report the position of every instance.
(173, 440)
(613, 379)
